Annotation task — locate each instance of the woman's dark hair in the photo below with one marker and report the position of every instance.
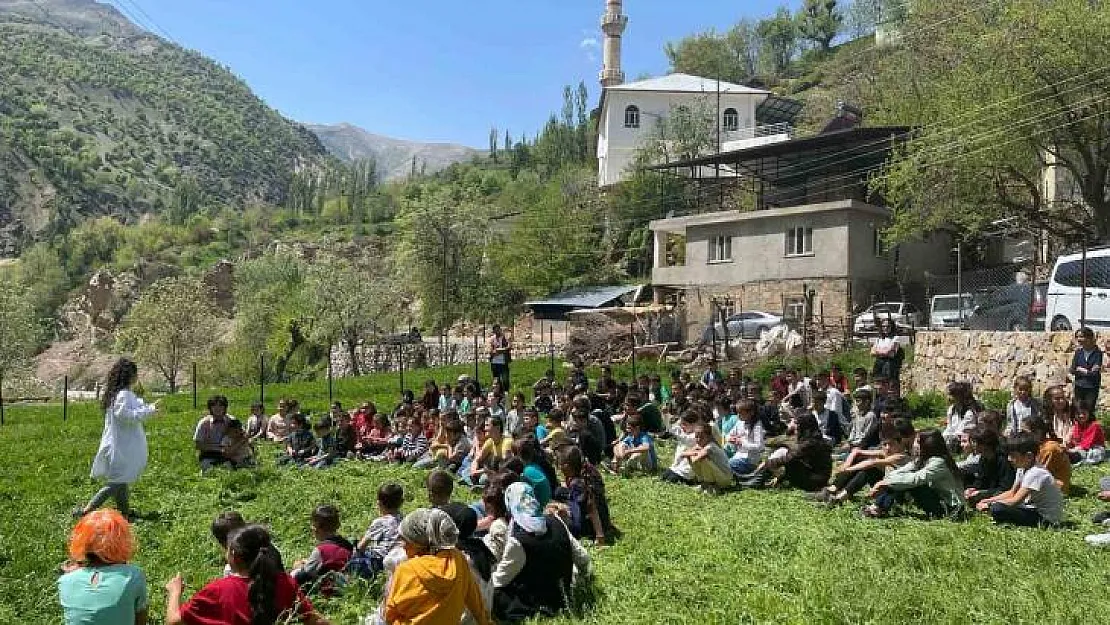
(217, 400)
(1022, 444)
(493, 497)
(529, 450)
(986, 439)
(120, 376)
(807, 427)
(931, 444)
(476, 551)
(570, 457)
(252, 546)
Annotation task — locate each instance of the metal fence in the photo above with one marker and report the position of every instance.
(998, 298)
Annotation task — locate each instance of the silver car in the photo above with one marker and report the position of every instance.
(750, 324)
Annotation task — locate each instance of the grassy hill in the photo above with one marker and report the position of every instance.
(98, 117)
(394, 157)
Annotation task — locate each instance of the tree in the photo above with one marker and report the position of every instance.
(172, 325)
(779, 35)
(351, 303)
(863, 16)
(998, 95)
(274, 311)
(706, 54)
(493, 137)
(686, 132)
(819, 21)
(19, 329)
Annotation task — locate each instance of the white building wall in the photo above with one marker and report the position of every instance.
(617, 145)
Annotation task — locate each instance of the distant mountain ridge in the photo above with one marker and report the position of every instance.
(100, 117)
(394, 157)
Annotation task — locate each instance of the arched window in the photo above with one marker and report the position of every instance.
(632, 116)
(731, 120)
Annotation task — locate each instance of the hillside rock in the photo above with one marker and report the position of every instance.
(220, 282)
(393, 156)
(95, 312)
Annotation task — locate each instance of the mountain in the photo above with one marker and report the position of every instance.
(394, 156)
(99, 117)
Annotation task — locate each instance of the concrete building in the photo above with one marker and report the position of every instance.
(809, 227)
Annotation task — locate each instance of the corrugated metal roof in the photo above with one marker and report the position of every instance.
(587, 297)
(684, 83)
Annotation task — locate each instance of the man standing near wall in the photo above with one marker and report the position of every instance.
(500, 355)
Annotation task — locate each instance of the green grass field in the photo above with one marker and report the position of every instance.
(750, 557)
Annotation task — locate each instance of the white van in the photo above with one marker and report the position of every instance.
(945, 313)
(1062, 309)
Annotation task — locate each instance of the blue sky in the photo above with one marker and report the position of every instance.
(431, 70)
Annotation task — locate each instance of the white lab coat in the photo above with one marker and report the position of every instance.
(122, 454)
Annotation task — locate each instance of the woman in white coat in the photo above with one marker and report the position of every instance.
(122, 455)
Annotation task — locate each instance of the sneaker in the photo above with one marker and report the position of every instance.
(1098, 540)
(1100, 518)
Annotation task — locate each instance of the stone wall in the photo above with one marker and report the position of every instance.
(991, 360)
(830, 298)
(377, 357)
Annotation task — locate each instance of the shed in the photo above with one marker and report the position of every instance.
(556, 307)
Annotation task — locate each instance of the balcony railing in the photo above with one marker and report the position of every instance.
(753, 132)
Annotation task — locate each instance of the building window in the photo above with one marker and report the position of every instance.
(720, 249)
(877, 242)
(731, 120)
(799, 241)
(632, 116)
(794, 307)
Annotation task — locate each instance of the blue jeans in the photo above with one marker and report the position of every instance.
(740, 466)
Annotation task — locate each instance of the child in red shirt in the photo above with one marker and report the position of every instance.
(1088, 442)
(256, 566)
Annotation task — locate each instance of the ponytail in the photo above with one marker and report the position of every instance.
(252, 545)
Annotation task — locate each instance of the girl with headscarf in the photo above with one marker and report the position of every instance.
(536, 571)
(434, 585)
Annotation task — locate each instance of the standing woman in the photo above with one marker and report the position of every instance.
(888, 355)
(122, 455)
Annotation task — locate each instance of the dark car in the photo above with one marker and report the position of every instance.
(1014, 307)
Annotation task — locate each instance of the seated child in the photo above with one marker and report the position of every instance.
(556, 435)
(328, 443)
(222, 526)
(382, 536)
(99, 586)
(746, 438)
(440, 485)
(681, 471)
(531, 424)
(300, 445)
(1050, 453)
(323, 570)
(457, 447)
(237, 448)
(413, 445)
(963, 413)
(866, 467)
(280, 424)
(493, 453)
(496, 521)
(709, 462)
(1022, 406)
(257, 422)
(259, 591)
(806, 463)
(865, 421)
(1034, 499)
(1088, 441)
(932, 481)
(587, 503)
(993, 472)
(636, 451)
(345, 436)
(827, 421)
(374, 440)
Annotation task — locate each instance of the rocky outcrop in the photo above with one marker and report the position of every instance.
(96, 311)
(220, 282)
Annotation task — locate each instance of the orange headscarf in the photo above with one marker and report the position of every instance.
(103, 534)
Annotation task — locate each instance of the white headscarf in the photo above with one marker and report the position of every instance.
(430, 528)
(520, 499)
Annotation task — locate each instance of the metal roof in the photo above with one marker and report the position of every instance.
(865, 143)
(685, 83)
(587, 297)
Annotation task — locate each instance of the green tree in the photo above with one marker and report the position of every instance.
(820, 21)
(351, 303)
(171, 326)
(493, 137)
(687, 132)
(274, 310)
(707, 54)
(862, 17)
(998, 94)
(779, 35)
(19, 329)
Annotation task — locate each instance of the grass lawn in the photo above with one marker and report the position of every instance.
(750, 557)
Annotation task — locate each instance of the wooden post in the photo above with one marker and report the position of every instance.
(65, 398)
(331, 393)
(401, 364)
(632, 335)
(262, 379)
(551, 346)
(194, 386)
(1, 398)
(477, 380)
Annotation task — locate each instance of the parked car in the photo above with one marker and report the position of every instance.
(1065, 290)
(945, 310)
(903, 314)
(750, 324)
(1016, 307)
